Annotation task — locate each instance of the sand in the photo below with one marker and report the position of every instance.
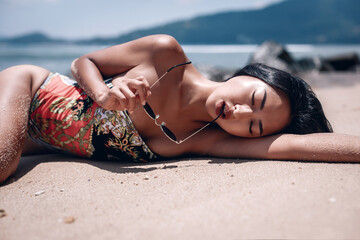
(60, 197)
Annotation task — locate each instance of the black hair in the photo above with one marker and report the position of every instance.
(307, 115)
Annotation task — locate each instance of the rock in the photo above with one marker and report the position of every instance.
(274, 55)
(214, 73)
(341, 62)
(2, 213)
(69, 219)
(39, 192)
(309, 64)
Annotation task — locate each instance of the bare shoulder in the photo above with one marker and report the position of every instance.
(165, 43)
(152, 44)
(161, 49)
(149, 50)
(167, 48)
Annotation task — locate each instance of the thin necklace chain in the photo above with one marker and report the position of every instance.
(163, 123)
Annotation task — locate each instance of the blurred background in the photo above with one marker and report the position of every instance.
(300, 36)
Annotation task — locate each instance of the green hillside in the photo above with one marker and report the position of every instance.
(290, 21)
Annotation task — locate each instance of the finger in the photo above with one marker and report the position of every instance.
(147, 85)
(144, 81)
(142, 94)
(120, 102)
(131, 99)
(142, 89)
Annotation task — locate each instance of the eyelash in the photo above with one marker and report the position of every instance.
(252, 103)
(253, 99)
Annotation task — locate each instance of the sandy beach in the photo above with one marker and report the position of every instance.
(61, 197)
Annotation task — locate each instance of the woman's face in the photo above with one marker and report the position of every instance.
(252, 108)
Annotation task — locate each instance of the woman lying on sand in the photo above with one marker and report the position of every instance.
(260, 113)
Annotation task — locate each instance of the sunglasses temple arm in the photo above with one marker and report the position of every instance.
(158, 80)
(169, 71)
(178, 65)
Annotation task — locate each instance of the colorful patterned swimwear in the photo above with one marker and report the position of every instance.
(64, 118)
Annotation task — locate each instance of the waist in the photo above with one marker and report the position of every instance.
(65, 118)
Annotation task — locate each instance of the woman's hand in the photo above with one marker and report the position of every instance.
(125, 94)
(91, 69)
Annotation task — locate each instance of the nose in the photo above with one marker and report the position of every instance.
(241, 111)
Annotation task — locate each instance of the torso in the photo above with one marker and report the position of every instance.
(166, 101)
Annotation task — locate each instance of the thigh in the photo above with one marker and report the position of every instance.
(16, 92)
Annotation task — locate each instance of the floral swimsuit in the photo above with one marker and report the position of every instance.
(64, 118)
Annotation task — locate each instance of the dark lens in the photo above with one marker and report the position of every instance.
(149, 110)
(168, 133)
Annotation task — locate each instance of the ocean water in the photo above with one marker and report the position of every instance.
(57, 58)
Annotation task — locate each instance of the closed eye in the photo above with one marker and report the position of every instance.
(253, 104)
(261, 108)
(250, 127)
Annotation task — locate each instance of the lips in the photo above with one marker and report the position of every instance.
(221, 107)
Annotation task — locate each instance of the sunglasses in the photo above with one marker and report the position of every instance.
(167, 132)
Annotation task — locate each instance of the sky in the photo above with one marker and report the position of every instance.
(78, 19)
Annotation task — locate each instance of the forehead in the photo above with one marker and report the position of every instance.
(247, 80)
(275, 119)
(253, 82)
(276, 113)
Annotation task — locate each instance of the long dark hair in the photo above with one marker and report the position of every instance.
(307, 115)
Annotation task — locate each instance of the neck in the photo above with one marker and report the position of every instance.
(195, 91)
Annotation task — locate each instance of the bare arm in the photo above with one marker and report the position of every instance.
(329, 147)
(90, 70)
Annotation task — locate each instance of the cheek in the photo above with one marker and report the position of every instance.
(237, 128)
(276, 121)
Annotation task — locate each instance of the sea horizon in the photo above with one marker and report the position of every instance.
(58, 57)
